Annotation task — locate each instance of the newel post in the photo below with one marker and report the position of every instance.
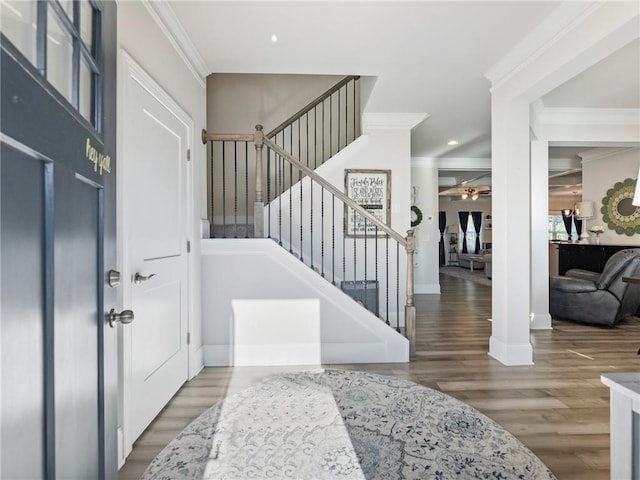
(409, 308)
(258, 206)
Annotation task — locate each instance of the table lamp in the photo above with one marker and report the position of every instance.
(584, 210)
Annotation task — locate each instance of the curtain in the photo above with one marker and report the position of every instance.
(578, 223)
(442, 226)
(464, 218)
(477, 223)
(567, 223)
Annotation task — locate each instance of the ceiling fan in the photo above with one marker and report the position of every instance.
(474, 193)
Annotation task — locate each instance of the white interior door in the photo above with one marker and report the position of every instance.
(155, 144)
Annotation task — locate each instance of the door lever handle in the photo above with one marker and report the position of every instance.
(138, 278)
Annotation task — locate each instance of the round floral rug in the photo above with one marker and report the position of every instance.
(337, 424)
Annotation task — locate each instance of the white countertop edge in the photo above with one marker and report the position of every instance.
(627, 384)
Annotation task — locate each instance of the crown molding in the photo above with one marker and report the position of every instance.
(543, 37)
(392, 121)
(587, 116)
(600, 153)
(165, 17)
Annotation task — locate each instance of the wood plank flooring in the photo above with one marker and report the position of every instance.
(557, 407)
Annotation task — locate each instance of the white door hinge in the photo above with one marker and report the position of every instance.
(188, 246)
(188, 338)
(188, 154)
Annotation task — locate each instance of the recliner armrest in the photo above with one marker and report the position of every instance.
(572, 285)
(586, 274)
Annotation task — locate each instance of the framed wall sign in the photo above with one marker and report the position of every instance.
(371, 189)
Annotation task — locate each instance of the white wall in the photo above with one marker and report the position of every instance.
(599, 174)
(424, 177)
(260, 269)
(142, 38)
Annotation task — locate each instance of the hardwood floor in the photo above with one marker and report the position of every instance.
(557, 407)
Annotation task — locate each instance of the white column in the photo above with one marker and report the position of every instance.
(540, 318)
(509, 342)
(424, 175)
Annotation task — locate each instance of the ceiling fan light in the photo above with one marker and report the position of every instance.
(464, 196)
(474, 196)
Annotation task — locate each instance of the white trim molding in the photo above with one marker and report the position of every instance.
(588, 116)
(600, 153)
(562, 19)
(165, 17)
(392, 121)
(591, 35)
(510, 354)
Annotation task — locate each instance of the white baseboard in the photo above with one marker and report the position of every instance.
(122, 456)
(427, 288)
(337, 353)
(196, 362)
(331, 353)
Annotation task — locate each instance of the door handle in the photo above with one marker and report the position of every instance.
(138, 278)
(125, 317)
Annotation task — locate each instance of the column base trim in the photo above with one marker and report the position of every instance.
(540, 321)
(511, 354)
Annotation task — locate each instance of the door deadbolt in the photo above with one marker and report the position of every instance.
(125, 317)
(113, 278)
(138, 278)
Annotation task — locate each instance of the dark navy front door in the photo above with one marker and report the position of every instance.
(57, 243)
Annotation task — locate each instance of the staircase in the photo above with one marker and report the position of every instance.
(349, 246)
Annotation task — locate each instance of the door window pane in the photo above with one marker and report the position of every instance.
(18, 21)
(67, 6)
(86, 77)
(59, 56)
(86, 24)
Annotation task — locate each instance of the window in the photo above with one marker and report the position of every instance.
(558, 232)
(470, 237)
(18, 20)
(61, 39)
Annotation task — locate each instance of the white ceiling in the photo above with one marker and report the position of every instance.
(427, 56)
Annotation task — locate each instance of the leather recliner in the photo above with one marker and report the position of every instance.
(598, 298)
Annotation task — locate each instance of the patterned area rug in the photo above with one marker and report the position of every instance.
(336, 424)
(476, 276)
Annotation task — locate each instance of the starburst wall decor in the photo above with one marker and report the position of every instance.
(617, 210)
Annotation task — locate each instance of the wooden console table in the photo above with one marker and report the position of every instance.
(625, 424)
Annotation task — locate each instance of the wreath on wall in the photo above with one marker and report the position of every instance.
(418, 212)
(617, 210)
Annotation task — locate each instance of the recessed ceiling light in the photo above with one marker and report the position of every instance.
(452, 142)
(274, 38)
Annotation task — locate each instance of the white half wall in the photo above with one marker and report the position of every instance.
(260, 269)
(276, 332)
